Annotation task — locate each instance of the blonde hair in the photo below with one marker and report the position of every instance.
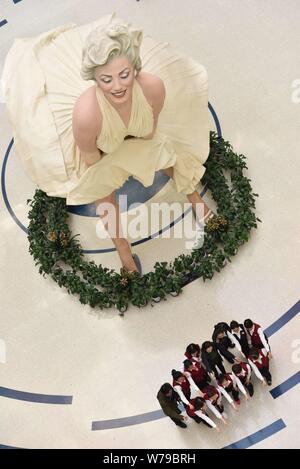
(106, 42)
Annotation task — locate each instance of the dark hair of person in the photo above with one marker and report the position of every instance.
(222, 325)
(165, 388)
(234, 325)
(206, 345)
(248, 324)
(222, 378)
(192, 348)
(236, 368)
(212, 392)
(198, 403)
(187, 364)
(177, 374)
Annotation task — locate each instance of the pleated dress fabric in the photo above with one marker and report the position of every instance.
(41, 83)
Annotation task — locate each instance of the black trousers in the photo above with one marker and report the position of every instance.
(203, 384)
(206, 423)
(200, 420)
(221, 368)
(220, 408)
(250, 389)
(235, 394)
(266, 373)
(177, 421)
(245, 347)
(196, 418)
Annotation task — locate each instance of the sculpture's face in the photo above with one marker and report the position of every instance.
(116, 79)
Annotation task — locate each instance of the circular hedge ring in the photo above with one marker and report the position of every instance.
(59, 254)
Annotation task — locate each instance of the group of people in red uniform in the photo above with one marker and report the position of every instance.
(204, 375)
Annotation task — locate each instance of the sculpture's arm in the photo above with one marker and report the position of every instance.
(85, 130)
(155, 94)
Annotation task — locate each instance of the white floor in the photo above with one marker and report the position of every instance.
(113, 366)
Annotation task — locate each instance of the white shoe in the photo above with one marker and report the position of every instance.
(210, 214)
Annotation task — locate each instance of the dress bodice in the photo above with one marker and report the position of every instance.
(113, 130)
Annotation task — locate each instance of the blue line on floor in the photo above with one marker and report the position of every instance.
(33, 397)
(285, 318)
(127, 421)
(3, 22)
(215, 118)
(4, 193)
(8, 447)
(258, 436)
(286, 385)
(17, 1)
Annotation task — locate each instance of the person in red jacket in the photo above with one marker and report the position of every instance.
(259, 362)
(243, 372)
(256, 336)
(193, 353)
(232, 385)
(198, 413)
(182, 385)
(239, 337)
(197, 372)
(213, 399)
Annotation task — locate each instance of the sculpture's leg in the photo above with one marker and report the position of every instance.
(195, 199)
(109, 212)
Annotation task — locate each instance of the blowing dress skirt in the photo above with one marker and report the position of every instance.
(41, 83)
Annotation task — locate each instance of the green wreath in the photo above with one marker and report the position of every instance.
(59, 254)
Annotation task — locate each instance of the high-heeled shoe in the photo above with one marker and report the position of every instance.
(127, 273)
(137, 263)
(210, 214)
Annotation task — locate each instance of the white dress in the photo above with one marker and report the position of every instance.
(42, 82)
